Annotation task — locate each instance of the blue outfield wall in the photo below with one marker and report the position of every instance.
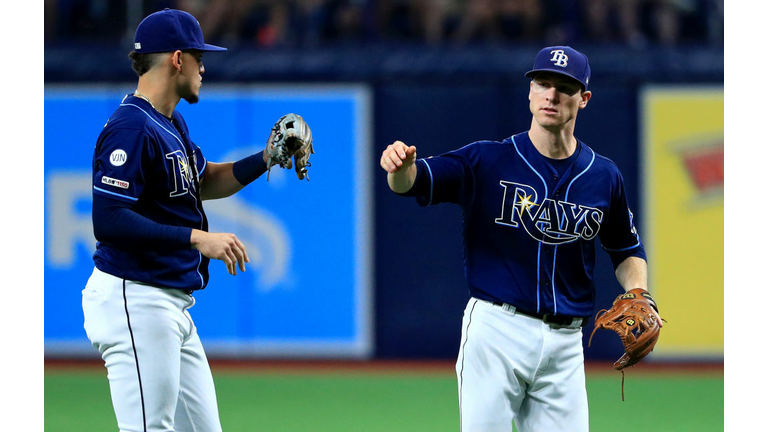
(307, 290)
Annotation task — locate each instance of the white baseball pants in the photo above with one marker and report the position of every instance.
(158, 373)
(515, 368)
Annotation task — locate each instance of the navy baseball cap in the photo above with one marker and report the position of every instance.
(563, 60)
(170, 30)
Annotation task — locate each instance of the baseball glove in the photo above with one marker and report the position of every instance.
(290, 138)
(634, 316)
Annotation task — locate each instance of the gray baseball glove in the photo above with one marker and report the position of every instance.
(290, 138)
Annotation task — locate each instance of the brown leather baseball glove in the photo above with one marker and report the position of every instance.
(634, 316)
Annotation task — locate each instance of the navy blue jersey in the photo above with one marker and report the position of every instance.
(530, 223)
(147, 161)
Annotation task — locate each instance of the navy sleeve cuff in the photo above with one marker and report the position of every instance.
(618, 256)
(421, 186)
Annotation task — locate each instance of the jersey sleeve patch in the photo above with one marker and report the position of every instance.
(118, 157)
(122, 184)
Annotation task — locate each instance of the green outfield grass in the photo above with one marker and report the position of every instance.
(78, 400)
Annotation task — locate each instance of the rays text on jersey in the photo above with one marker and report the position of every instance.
(549, 221)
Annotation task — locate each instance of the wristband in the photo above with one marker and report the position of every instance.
(250, 168)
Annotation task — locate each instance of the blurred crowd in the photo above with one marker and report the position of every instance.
(311, 23)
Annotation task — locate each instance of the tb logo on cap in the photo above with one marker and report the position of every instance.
(559, 58)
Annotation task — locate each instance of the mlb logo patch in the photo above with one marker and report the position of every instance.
(137, 45)
(115, 182)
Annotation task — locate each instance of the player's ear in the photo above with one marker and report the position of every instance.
(176, 60)
(585, 97)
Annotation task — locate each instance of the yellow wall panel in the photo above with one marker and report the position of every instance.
(683, 185)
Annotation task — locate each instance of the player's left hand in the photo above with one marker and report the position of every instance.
(634, 316)
(291, 137)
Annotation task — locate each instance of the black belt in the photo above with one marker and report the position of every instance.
(558, 320)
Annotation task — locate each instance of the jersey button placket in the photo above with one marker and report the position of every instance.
(543, 273)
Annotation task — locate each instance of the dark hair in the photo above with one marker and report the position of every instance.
(142, 63)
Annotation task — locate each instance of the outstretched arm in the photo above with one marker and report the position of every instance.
(398, 160)
(219, 181)
(225, 179)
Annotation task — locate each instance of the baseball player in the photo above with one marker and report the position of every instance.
(533, 205)
(153, 251)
